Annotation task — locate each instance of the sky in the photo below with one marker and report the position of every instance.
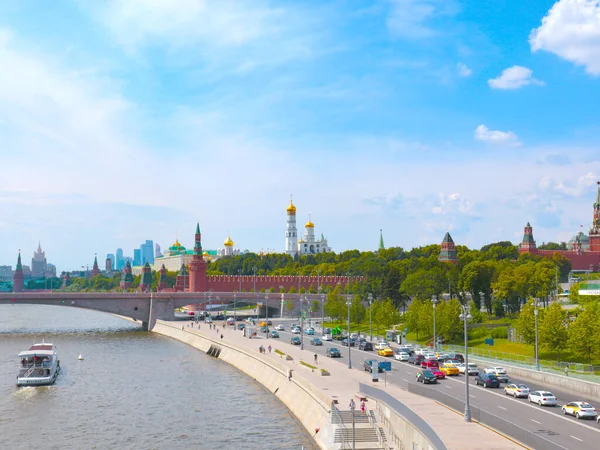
(127, 120)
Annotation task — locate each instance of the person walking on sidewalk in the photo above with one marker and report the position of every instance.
(567, 370)
(269, 349)
(316, 359)
(352, 405)
(363, 407)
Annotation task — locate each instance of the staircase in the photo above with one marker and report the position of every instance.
(367, 435)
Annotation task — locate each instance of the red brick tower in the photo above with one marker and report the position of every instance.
(146, 280)
(127, 277)
(198, 280)
(18, 277)
(448, 250)
(95, 268)
(528, 243)
(182, 282)
(162, 279)
(595, 230)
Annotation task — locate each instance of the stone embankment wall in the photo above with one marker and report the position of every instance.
(310, 406)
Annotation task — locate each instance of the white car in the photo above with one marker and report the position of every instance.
(296, 331)
(280, 328)
(430, 356)
(544, 398)
(517, 390)
(420, 351)
(381, 345)
(408, 346)
(580, 410)
(401, 356)
(473, 369)
(326, 337)
(499, 372)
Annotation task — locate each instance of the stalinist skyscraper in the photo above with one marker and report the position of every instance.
(291, 233)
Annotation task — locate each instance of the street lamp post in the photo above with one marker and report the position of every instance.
(266, 307)
(370, 298)
(348, 303)
(535, 313)
(302, 300)
(322, 313)
(234, 312)
(465, 316)
(434, 301)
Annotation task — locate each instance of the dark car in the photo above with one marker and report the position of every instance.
(269, 323)
(316, 341)
(416, 359)
(274, 334)
(241, 326)
(220, 317)
(345, 342)
(364, 345)
(326, 330)
(333, 352)
(487, 380)
(368, 365)
(295, 340)
(426, 376)
(455, 357)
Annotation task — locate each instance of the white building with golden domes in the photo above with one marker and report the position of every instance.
(228, 249)
(308, 245)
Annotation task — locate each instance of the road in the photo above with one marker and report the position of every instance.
(547, 422)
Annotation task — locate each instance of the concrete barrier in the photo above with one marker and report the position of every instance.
(590, 391)
(310, 406)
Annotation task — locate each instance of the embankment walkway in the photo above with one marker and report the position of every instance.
(341, 385)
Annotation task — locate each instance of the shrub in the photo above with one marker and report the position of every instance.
(308, 365)
(500, 333)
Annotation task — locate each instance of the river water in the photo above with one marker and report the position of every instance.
(133, 390)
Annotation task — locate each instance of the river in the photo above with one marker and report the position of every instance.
(133, 390)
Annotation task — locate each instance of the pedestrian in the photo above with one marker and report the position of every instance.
(363, 407)
(352, 405)
(567, 370)
(221, 336)
(289, 374)
(269, 349)
(316, 359)
(181, 327)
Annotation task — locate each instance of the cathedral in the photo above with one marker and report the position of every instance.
(583, 250)
(308, 245)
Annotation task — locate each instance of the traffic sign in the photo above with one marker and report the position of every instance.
(386, 365)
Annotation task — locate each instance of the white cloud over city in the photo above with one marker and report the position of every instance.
(514, 77)
(507, 138)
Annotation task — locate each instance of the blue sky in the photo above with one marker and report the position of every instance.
(128, 120)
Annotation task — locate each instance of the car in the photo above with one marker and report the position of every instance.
(472, 369)
(429, 355)
(460, 366)
(264, 329)
(542, 398)
(365, 345)
(309, 331)
(241, 326)
(430, 363)
(296, 331)
(280, 328)
(487, 380)
(345, 342)
(327, 337)
(401, 356)
(499, 372)
(316, 341)
(326, 330)
(456, 357)
(426, 376)
(381, 345)
(420, 351)
(269, 323)
(438, 373)
(333, 352)
(368, 365)
(208, 320)
(517, 390)
(385, 352)
(295, 340)
(449, 369)
(274, 334)
(415, 359)
(580, 410)
(231, 321)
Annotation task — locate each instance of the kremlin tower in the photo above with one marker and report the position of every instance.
(146, 280)
(95, 268)
(127, 277)
(198, 281)
(448, 250)
(18, 277)
(162, 279)
(291, 232)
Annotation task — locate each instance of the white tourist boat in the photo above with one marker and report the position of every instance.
(38, 366)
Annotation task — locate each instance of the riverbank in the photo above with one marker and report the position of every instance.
(309, 395)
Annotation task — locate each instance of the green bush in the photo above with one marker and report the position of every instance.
(500, 333)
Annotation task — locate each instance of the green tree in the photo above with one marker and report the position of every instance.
(315, 306)
(387, 314)
(553, 333)
(335, 305)
(357, 310)
(448, 324)
(525, 326)
(583, 341)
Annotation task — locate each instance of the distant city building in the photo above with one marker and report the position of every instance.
(108, 265)
(110, 257)
(6, 273)
(308, 245)
(50, 271)
(137, 257)
(228, 249)
(147, 253)
(176, 255)
(119, 260)
(38, 263)
(157, 251)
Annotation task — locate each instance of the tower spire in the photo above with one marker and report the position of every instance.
(198, 243)
(381, 246)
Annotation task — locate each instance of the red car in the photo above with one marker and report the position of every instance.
(438, 373)
(432, 364)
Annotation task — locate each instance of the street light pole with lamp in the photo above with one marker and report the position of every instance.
(322, 312)
(535, 313)
(234, 311)
(370, 298)
(434, 301)
(349, 302)
(465, 316)
(302, 300)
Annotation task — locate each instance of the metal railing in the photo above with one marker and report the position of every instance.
(380, 436)
(335, 413)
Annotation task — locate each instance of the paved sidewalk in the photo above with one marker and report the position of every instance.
(342, 385)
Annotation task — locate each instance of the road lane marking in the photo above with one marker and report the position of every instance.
(533, 420)
(447, 387)
(502, 407)
(574, 437)
(405, 379)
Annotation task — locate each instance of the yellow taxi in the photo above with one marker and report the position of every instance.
(449, 369)
(385, 352)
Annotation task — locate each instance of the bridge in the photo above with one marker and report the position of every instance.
(147, 307)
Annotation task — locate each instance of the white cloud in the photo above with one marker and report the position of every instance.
(411, 18)
(463, 70)
(571, 30)
(483, 133)
(513, 78)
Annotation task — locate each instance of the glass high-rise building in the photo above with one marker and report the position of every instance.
(137, 257)
(147, 253)
(119, 260)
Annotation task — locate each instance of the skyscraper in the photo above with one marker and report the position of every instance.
(137, 257)
(112, 262)
(119, 260)
(38, 263)
(147, 253)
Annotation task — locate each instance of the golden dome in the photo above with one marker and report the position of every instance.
(309, 224)
(291, 209)
(228, 242)
(176, 244)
